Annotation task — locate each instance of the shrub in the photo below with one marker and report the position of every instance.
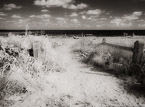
(112, 60)
(22, 73)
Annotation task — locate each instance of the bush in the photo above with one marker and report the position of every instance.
(21, 73)
(110, 59)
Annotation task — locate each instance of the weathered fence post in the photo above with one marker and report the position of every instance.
(36, 49)
(137, 52)
(104, 40)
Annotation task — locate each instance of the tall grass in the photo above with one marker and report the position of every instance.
(22, 73)
(110, 59)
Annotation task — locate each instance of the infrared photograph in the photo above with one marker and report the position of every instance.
(72, 53)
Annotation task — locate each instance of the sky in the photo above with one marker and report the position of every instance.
(72, 14)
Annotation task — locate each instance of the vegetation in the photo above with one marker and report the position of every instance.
(20, 71)
(113, 60)
(33, 72)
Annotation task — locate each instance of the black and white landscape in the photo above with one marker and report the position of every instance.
(72, 53)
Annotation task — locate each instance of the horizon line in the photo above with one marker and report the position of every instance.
(68, 29)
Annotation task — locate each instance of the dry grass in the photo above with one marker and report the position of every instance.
(22, 73)
(42, 82)
(113, 60)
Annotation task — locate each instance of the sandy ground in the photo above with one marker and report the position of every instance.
(78, 86)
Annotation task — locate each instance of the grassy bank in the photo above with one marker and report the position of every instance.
(21, 72)
(112, 60)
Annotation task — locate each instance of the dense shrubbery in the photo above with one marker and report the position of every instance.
(20, 72)
(111, 60)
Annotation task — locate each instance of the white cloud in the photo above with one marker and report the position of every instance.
(94, 12)
(120, 22)
(46, 20)
(74, 14)
(117, 21)
(1, 18)
(75, 21)
(32, 16)
(21, 21)
(141, 25)
(11, 6)
(103, 19)
(44, 10)
(79, 6)
(93, 18)
(90, 18)
(45, 16)
(3, 14)
(133, 16)
(60, 19)
(40, 16)
(127, 20)
(52, 3)
(137, 13)
(16, 16)
(84, 17)
(60, 3)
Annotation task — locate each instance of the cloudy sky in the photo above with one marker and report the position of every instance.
(72, 14)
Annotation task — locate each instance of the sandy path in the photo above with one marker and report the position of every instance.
(79, 86)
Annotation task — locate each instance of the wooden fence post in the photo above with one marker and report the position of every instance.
(104, 40)
(36, 49)
(137, 52)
